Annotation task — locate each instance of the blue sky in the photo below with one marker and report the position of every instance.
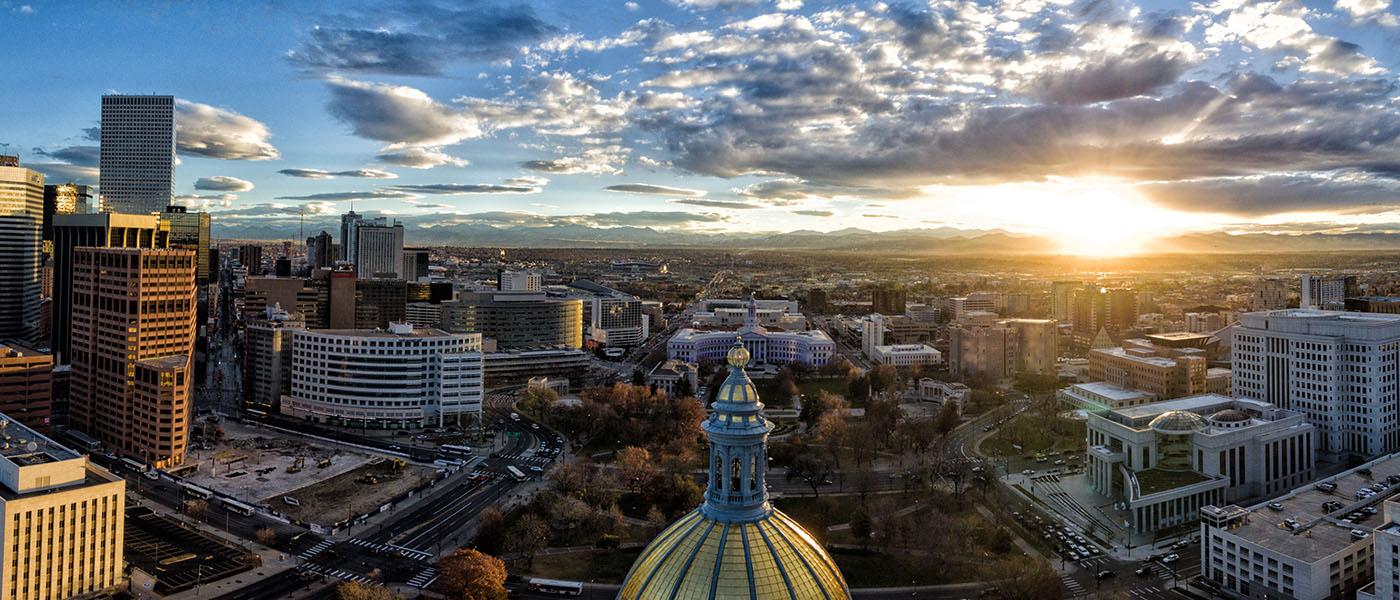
(755, 115)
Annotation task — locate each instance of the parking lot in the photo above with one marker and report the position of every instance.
(179, 558)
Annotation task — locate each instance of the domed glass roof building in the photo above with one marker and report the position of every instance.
(735, 545)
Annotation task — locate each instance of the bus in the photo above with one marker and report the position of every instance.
(134, 465)
(237, 507)
(555, 586)
(516, 473)
(196, 491)
(451, 449)
(82, 441)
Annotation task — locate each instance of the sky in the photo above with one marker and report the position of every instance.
(1095, 122)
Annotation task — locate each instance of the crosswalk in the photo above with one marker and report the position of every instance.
(409, 552)
(424, 578)
(1146, 591)
(334, 572)
(311, 552)
(534, 460)
(1075, 588)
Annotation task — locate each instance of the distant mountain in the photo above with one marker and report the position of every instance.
(940, 240)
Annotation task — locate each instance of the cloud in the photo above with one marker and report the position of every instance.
(649, 219)
(1140, 70)
(1256, 196)
(713, 4)
(465, 188)
(717, 203)
(83, 156)
(813, 213)
(366, 195)
(211, 132)
(417, 157)
(1365, 11)
(204, 202)
(418, 38)
(64, 172)
(527, 181)
(223, 183)
(593, 161)
(323, 174)
(398, 114)
(655, 190)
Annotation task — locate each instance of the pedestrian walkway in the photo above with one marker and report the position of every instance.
(424, 578)
(387, 548)
(1075, 589)
(334, 572)
(311, 552)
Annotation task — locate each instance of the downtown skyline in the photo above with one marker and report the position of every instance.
(1131, 119)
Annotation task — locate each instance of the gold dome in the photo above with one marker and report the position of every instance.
(702, 558)
(738, 356)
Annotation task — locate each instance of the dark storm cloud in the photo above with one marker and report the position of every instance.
(418, 38)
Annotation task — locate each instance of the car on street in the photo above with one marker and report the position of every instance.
(1105, 574)
(1143, 571)
(1170, 558)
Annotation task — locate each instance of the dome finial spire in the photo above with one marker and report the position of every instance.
(738, 356)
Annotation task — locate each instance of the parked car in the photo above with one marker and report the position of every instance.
(1170, 558)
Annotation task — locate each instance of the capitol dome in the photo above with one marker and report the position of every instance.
(735, 545)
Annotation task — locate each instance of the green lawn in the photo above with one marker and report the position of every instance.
(768, 389)
(600, 566)
(810, 512)
(880, 569)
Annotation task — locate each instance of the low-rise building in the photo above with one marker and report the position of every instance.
(64, 520)
(669, 374)
(26, 385)
(1168, 459)
(907, 355)
(933, 390)
(1308, 544)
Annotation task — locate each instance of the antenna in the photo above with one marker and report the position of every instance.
(302, 232)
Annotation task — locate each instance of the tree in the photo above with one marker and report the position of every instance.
(196, 508)
(636, 466)
(529, 535)
(830, 432)
(1030, 579)
(471, 575)
(861, 525)
(812, 469)
(354, 590)
(537, 400)
(267, 536)
(490, 530)
(947, 418)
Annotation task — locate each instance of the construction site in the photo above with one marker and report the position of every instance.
(301, 478)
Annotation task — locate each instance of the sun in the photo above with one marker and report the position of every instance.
(1097, 217)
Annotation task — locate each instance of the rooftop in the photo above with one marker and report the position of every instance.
(1196, 404)
(1123, 353)
(1320, 534)
(1110, 391)
(1151, 481)
(24, 446)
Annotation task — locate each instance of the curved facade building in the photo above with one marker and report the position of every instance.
(518, 320)
(377, 379)
(735, 545)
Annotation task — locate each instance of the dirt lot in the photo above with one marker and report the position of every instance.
(251, 463)
(351, 492)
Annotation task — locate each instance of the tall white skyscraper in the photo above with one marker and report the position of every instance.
(379, 249)
(138, 153)
(349, 222)
(21, 233)
(1337, 368)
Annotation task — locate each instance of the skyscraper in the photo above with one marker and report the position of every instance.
(268, 363)
(105, 230)
(21, 230)
(319, 251)
(138, 153)
(190, 230)
(64, 199)
(251, 258)
(349, 222)
(133, 343)
(379, 249)
(26, 385)
(1327, 292)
